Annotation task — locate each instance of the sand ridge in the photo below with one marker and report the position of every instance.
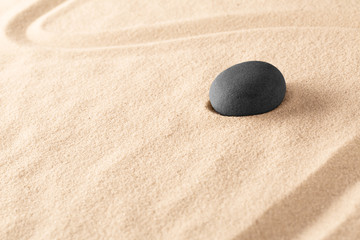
(30, 25)
(107, 133)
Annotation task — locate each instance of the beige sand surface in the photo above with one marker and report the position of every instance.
(106, 130)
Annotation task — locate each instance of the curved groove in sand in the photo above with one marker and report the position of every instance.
(28, 27)
(311, 199)
(16, 29)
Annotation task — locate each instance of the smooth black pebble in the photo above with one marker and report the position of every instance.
(247, 88)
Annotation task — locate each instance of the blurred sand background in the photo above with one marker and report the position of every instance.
(106, 131)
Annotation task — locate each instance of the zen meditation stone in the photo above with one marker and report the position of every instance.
(247, 88)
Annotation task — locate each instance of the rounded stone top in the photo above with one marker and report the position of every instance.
(247, 88)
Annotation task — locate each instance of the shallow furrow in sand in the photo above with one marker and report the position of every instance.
(29, 27)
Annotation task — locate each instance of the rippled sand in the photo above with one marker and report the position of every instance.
(106, 131)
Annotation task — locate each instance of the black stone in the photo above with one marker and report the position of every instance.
(247, 88)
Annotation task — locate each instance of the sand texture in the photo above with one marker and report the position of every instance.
(106, 131)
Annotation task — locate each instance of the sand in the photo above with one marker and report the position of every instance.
(106, 131)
